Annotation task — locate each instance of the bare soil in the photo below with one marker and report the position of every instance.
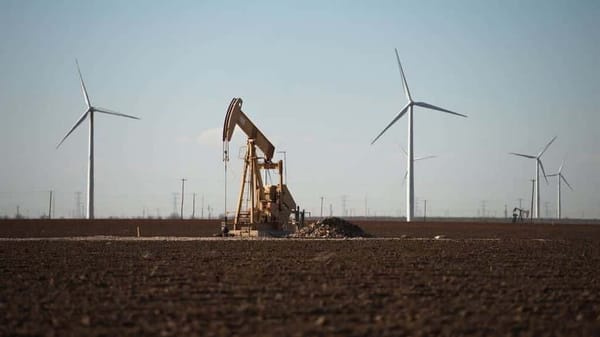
(478, 279)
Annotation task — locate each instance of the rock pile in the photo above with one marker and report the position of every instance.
(330, 228)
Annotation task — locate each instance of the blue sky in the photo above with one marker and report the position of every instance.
(320, 80)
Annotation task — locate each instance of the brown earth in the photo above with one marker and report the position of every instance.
(535, 280)
(24, 228)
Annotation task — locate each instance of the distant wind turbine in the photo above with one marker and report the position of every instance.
(538, 164)
(560, 177)
(90, 112)
(416, 159)
(409, 107)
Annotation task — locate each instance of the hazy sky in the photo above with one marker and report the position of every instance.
(320, 80)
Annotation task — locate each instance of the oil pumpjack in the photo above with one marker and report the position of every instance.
(262, 210)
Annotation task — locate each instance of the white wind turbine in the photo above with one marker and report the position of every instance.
(90, 113)
(560, 177)
(538, 164)
(416, 159)
(409, 107)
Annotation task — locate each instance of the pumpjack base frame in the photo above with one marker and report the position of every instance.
(260, 230)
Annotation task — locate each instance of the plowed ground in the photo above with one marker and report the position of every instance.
(363, 287)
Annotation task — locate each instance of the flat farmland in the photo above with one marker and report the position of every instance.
(493, 279)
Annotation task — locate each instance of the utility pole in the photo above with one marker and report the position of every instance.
(425, 210)
(344, 212)
(284, 165)
(366, 205)
(50, 206)
(505, 211)
(330, 210)
(202, 210)
(182, 190)
(194, 206)
(321, 207)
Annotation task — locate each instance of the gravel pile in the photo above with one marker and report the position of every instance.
(330, 228)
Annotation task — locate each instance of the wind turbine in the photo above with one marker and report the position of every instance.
(560, 176)
(89, 112)
(538, 164)
(410, 188)
(416, 159)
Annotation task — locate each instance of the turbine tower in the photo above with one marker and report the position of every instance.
(410, 202)
(560, 177)
(538, 164)
(89, 112)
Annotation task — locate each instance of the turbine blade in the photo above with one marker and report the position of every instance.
(403, 150)
(552, 175)
(547, 146)
(522, 155)
(405, 175)
(109, 112)
(565, 180)
(561, 166)
(425, 158)
(81, 119)
(433, 107)
(402, 112)
(404, 84)
(543, 171)
(85, 94)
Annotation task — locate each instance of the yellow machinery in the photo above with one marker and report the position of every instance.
(262, 210)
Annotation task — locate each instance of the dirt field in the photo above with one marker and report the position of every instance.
(206, 228)
(482, 279)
